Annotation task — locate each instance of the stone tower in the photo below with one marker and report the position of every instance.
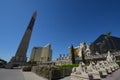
(20, 56)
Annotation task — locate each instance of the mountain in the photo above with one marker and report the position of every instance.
(105, 43)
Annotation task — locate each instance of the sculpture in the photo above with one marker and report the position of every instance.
(111, 61)
(109, 57)
(93, 72)
(79, 73)
(101, 69)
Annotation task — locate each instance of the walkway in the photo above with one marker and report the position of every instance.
(11, 74)
(17, 74)
(32, 76)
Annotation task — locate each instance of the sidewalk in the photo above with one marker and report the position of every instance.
(32, 76)
(66, 78)
(114, 76)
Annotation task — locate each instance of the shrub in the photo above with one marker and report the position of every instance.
(32, 63)
(15, 65)
(27, 68)
(67, 66)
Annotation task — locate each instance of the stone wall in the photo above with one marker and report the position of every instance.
(52, 73)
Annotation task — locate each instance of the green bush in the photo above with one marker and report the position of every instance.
(32, 63)
(15, 65)
(67, 66)
(27, 68)
(2, 66)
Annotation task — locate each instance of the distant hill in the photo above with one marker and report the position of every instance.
(104, 43)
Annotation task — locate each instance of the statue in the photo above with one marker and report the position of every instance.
(109, 57)
(111, 61)
(79, 73)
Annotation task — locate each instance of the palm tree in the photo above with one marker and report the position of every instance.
(107, 42)
(72, 55)
(103, 48)
(83, 57)
(108, 36)
(93, 47)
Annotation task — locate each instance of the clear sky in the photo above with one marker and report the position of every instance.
(59, 22)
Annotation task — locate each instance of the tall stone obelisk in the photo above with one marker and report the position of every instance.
(20, 56)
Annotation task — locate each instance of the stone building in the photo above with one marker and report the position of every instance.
(41, 54)
(78, 50)
(63, 59)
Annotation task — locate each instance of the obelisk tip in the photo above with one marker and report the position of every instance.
(34, 14)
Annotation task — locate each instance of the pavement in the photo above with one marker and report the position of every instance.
(32, 76)
(17, 74)
(11, 74)
(114, 76)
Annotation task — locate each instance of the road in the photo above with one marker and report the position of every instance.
(8, 74)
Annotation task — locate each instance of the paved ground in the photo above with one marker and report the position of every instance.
(16, 74)
(8, 74)
(66, 78)
(32, 76)
(114, 76)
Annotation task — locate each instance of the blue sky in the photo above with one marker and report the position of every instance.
(59, 22)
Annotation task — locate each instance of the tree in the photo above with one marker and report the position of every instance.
(83, 57)
(107, 42)
(93, 48)
(103, 48)
(108, 34)
(111, 42)
(72, 55)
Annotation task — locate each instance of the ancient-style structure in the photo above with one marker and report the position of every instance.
(63, 59)
(95, 71)
(20, 56)
(41, 54)
(105, 43)
(82, 47)
(85, 49)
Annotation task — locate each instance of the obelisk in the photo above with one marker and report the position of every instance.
(20, 56)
